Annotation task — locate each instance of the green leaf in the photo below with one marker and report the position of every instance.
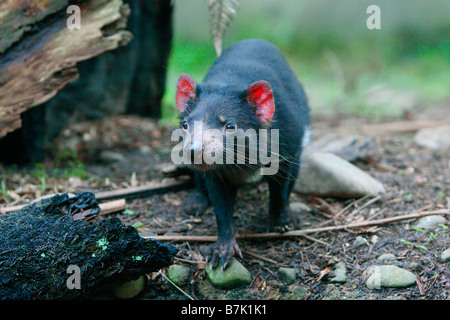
(128, 212)
(421, 247)
(137, 225)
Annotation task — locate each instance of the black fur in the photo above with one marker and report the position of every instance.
(223, 93)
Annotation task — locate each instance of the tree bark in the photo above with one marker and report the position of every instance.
(155, 39)
(128, 80)
(40, 53)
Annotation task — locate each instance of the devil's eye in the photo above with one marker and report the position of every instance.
(184, 125)
(230, 126)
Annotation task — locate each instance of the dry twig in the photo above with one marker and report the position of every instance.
(301, 233)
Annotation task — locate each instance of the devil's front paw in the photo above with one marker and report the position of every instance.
(197, 204)
(279, 223)
(222, 251)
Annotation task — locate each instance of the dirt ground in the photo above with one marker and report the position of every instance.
(416, 179)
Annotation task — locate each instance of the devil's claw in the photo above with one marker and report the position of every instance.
(221, 253)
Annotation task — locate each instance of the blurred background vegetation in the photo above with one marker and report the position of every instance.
(346, 68)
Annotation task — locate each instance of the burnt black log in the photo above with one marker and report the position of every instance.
(41, 243)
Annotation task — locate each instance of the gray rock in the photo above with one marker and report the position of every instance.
(350, 148)
(395, 297)
(325, 174)
(386, 257)
(445, 256)
(235, 275)
(430, 221)
(179, 274)
(287, 275)
(434, 138)
(340, 273)
(382, 99)
(389, 276)
(359, 241)
(111, 156)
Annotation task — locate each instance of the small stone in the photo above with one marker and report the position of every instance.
(413, 266)
(389, 276)
(350, 148)
(145, 149)
(235, 275)
(325, 174)
(430, 221)
(179, 274)
(297, 292)
(359, 241)
(434, 138)
(395, 297)
(75, 182)
(111, 156)
(299, 206)
(287, 275)
(445, 256)
(129, 289)
(340, 272)
(382, 99)
(386, 257)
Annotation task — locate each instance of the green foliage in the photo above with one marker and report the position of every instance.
(39, 171)
(42, 183)
(137, 225)
(409, 55)
(414, 245)
(128, 212)
(3, 190)
(73, 167)
(443, 231)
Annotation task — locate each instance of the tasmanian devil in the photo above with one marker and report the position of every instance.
(249, 118)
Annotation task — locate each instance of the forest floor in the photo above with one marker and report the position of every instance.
(416, 179)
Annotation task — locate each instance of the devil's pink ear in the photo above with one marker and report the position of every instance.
(185, 91)
(260, 94)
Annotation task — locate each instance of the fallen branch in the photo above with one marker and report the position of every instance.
(4, 210)
(400, 126)
(112, 206)
(134, 192)
(150, 189)
(105, 208)
(301, 233)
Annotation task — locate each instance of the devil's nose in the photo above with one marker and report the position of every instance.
(196, 149)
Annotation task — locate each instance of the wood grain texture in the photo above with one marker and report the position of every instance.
(38, 53)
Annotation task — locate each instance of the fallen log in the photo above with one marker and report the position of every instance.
(39, 53)
(43, 245)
